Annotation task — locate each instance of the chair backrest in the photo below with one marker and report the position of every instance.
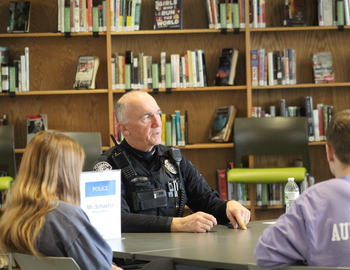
(30, 262)
(271, 136)
(7, 151)
(92, 144)
(252, 266)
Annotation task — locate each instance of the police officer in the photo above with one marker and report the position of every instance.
(157, 181)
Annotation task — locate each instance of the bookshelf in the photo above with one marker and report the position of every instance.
(53, 61)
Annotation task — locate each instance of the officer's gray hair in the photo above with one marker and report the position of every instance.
(120, 112)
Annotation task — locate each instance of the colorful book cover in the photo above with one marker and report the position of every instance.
(168, 14)
(19, 16)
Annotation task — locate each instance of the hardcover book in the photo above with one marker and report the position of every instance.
(222, 123)
(35, 124)
(322, 65)
(226, 70)
(295, 13)
(19, 17)
(86, 72)
(168, 14)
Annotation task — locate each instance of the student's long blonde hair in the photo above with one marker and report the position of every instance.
(49, 172)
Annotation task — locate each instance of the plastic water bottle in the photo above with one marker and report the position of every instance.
(291, 192)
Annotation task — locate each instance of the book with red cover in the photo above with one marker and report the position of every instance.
(222, 183)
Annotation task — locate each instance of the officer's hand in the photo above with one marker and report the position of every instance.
(237, 214)
(197, 222)
(114, 267)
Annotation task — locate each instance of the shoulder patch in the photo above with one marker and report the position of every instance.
(102, 166)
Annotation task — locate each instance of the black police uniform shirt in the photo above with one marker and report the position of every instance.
(198, 194)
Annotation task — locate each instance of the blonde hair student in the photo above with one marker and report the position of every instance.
(42, 214)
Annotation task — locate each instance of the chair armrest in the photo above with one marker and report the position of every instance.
(265, 175)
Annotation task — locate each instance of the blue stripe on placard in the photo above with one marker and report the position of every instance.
(100, 188)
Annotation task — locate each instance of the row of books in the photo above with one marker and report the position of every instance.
(81, 16)
(273, 68)
(331, 12)
(231, 14)
(14, 77)
(174, 128)
(125, 15)
(264, 194)
(140, 72)
(318, 116)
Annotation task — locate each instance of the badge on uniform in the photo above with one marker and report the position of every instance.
(170, 167)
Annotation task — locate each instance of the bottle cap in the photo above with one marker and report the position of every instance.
(291, 179)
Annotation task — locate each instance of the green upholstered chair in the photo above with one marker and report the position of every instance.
(30, 262)
(7, 159)
(92, 144)
(252, 266)
(279, 136)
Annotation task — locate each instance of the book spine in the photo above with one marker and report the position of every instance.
(262, 81)
(168, 134)
(173, 130)
(320, 13)
(316, 125)
(328, 12)
(286, 66)
(27, 68)
(199, 57)
(155, 76)
(23, 73)
(137, 19)
(5, 78)
(136, 78)
(236, 15)
(223, 12)
(162, 68)
(163, 116)
(89, 11)
(222, 183)
(340, 12)
(270, 68)
(255, 14)
(194, 68)
(183, 130)
(209, 14)
(178, 127)
(310, 121)
(254, 58)
(189, 68)
(321, 121)
(262, 13)
(168, 79)
(183, 79)
(127, 76)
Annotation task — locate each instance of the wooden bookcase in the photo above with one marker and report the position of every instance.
(53, 59)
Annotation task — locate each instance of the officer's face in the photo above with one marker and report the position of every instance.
(144, 128)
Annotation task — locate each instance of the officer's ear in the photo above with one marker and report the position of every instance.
(123, 128)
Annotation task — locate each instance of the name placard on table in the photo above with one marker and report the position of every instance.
(100, 199)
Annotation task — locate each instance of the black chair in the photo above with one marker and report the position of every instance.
(7, 151)
(92, 144)
(280, 136)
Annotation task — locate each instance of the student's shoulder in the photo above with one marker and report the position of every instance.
(66, 207)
